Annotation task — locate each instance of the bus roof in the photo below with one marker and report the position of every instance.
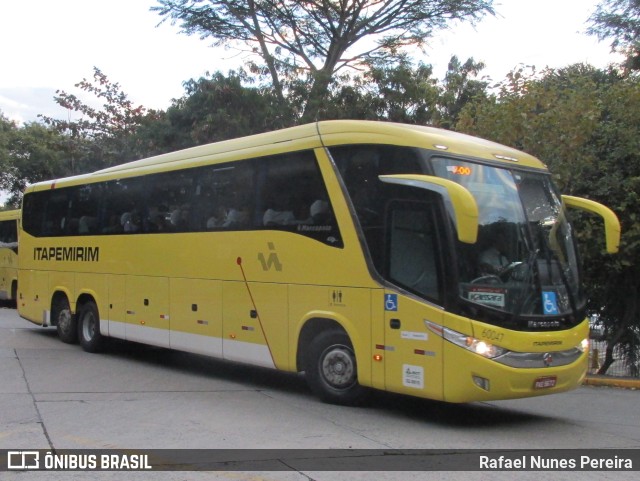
(323, 133)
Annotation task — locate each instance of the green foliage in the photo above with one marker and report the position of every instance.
(619, 21)
(221, 107)
(402, 92)
(318, 39)
(102, 136)
(460, 87)
(29, 154)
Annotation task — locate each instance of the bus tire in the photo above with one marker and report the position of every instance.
(89, 327)
(331, 370)
(65, 321)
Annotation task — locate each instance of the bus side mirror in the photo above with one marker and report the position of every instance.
(458, 200)
(611, 222)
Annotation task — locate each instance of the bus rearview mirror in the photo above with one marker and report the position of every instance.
(611, 222)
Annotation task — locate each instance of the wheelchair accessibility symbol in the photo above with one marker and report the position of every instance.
(549, 303)
(391, 302)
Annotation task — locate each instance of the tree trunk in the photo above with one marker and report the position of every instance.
(628, 319)
(317, 96)
(611, 344)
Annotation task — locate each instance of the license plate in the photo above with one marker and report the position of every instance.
(545, 382)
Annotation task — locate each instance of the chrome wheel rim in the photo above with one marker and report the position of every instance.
(338, 367)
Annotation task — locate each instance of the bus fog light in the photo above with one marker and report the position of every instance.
(481, 382)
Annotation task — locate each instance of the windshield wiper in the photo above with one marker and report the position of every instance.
(531, 261)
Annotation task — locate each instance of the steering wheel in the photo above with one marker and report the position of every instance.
(488, 279)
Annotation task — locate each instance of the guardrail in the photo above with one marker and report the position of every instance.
(619, 368)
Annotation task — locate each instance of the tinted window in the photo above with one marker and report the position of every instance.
(413, 254)
(8, 233)
(284, 192)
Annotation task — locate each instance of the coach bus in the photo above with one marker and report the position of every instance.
(368, 255)
(9, 255)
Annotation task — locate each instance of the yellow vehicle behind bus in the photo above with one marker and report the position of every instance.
(358, 252)
(9, 255)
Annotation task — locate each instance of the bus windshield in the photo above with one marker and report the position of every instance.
(524, 262)
(522, 271)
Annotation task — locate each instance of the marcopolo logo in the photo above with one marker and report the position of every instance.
(69, 254)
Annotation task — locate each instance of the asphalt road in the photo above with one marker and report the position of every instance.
(55, 396)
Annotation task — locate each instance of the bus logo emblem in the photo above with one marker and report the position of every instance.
(271, 261)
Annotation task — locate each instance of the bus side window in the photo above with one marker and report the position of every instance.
(122, 201)
(293, 197)
(225, 196)
(412, 249)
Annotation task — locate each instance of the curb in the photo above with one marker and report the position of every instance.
(604, 381)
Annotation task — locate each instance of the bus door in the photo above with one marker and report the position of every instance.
(413, 354)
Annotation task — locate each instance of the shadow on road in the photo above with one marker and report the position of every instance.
(468, 416)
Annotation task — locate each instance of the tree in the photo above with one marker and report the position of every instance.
(317, 39)
(401, 93)
(619, 21)
(220, 107)
(459, 87)
(29, 154)
(102, 136)
(7, 129)
(392, 91)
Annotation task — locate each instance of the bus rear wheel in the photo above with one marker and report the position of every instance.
(89, 327)
(65, 321)
(331, 369)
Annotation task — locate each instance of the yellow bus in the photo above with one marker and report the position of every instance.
(9, 255)
(358, 252)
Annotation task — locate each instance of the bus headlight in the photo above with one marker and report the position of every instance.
(477, 346)
(584, 345)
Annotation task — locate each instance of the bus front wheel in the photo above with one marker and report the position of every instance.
(89, 327)
(65, 321)
(331, 369)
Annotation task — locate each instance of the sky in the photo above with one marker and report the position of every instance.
(50, 45)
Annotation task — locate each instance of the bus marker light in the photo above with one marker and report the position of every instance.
(232, 336)
(423, 352)
(377, 357)
(143, 322)
(505, 157)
